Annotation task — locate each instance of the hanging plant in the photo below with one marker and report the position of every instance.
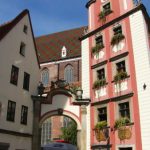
(123, 131)
(120, 76)
(97, 48)
(101, 131)
(102, 16)
(99, 83)
(117, 38)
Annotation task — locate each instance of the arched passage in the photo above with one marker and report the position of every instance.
(65, 113)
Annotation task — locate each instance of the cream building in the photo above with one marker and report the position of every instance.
(18, 81)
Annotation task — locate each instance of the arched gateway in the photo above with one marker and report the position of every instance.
(59, 101)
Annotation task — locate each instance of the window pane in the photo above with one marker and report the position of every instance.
(124, 110)
(14, 75)
(26, 81)
(22, 49)
(68, 75)
(101, 74)
(102, 114)
(11, 110)
(24, 114)
(45, 77)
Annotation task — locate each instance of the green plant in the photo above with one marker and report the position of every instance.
(117, 38)
(97, 48)
(99, 83)
(102, 16)
(69, 133)
(121, 122)
(120, 76)
(100, 125)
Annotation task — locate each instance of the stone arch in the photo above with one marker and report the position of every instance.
(64, 113)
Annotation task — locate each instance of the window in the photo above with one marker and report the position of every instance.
(45, 77)
(24, 115)
(26, 81)
(107, 9)
(117, 30)
(121, 67)
(25, 29)
(14, 75)
(99, 40)
(102, 114)
(11, 110)
(124, 110)
(68, 76)
(22, 49)
(127, 148)
(101, 74)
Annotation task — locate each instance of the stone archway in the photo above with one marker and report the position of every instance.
(59, 100)
(68, 114)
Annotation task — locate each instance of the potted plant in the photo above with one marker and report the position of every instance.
(117, 38)
(120, 76)
(101, 131)
(121, 126)
(99, 83)
(102, 16)
(97, 48)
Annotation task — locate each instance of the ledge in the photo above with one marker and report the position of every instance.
(95, 146)
(15, 133)
(139, 7)
(119, 56)
(99, 64)
(117, 98)
(82, 102)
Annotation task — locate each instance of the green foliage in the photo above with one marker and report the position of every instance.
(120, 76)
(117, 38)
(123, 121)
(102, 16)
(97, 48)
(99, 83)
(70, 133)
(100, 125)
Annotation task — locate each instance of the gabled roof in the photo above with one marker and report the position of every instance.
(7, 27)
(49, 46)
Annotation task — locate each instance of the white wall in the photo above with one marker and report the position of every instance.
(142, 67)
(9, 55)
(86, 82)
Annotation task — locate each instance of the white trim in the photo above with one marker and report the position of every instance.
(59, 61)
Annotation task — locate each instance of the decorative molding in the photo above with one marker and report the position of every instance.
(89, 3)
(15, 133)
(114, 99)
(140, 7)
(118, 56)
(99, 64)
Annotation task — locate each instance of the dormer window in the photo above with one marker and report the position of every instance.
(25, 29)
(63, 52)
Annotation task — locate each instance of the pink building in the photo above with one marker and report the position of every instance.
(116, 66)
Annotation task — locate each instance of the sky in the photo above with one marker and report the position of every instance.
(49, 16)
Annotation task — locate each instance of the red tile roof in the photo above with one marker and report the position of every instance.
(49, 46)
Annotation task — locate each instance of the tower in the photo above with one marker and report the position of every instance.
(114, 75)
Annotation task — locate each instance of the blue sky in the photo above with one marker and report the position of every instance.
(49, 16)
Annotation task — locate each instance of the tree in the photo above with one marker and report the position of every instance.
(69, 133)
